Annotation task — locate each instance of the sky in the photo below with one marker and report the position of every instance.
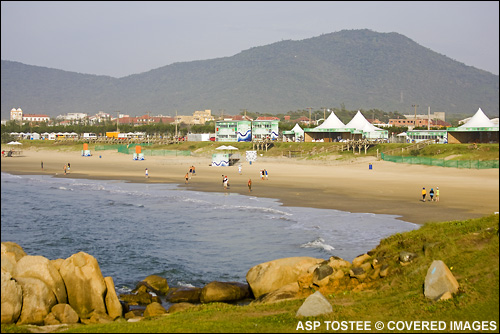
(130, 37)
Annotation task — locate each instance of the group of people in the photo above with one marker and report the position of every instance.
(263, 174)
(191, 172)
(434, 195)
(66, 168)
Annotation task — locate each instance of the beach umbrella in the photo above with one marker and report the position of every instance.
(231, 148)
(223, 147)
(14, 143)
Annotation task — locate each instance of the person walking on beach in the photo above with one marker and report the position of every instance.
(187, 177)
(249, 185)
(147, 174)
(69, 167)
(437, 194)
(431, 194)
(65, 167)
(265, 172)
(226, 184)
(424, 192)
(191, 171)
(41, 163)
(194, 170)
(262, 174)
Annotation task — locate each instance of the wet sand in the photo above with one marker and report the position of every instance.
(387, 188)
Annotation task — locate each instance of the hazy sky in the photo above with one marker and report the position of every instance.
(123, 38)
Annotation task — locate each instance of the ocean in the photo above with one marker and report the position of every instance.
(191, 238)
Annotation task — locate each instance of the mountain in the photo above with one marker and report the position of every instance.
(355, 69)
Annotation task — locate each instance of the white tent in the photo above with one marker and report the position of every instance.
(331, 122)
(359, 122)
(479, 120)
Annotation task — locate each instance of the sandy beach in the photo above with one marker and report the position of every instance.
(387, 188)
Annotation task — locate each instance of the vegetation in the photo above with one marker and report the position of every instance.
(350, 69)
(470, 249)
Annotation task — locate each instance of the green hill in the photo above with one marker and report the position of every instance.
(355, 69)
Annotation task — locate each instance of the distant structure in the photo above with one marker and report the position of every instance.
(18, 116)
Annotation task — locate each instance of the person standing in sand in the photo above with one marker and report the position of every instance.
(147, 174)
(41, 163)
(424, 192)
(431, 194)
(249, 185)
(65, 167)
(437, 194)
(187, 177)
(226, 184)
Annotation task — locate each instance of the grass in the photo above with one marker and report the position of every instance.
(470, 248)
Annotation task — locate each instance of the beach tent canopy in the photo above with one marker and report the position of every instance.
(224, 147)
(359, 122)
(297, 129)
(479, 120)
(14, 143)
(331, 122)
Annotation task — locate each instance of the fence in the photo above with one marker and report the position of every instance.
(130, 149)
(476, 164)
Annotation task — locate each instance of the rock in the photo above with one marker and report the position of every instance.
(184, 294)
(287, 292)
(439, 280)
(405, 257)
(97, 317)
(321, 273)
(359, 260)
(384, 270)
(13, 250)
(358, 272)
(12, 298)
(111, 300)
(154, 309)
(338, 263)
(224, 292)
(64, 314)
(159, 284)
(314, 305)
(84, 284)
(140, 298)
(42, 268)
(269, 276)
(38, 300)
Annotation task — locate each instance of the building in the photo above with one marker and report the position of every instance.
(18, 116)
(265, 128)
(479, 129)
(234, 131)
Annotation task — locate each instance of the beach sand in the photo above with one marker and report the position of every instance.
(387, 188)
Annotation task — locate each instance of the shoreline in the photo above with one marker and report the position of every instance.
(387, 188)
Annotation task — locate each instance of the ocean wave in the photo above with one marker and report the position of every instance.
(318, 243)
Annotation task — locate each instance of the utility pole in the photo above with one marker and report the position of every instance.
(175, 124)
(429, 118)
(415, 105)
(117, 118)
(310, 108)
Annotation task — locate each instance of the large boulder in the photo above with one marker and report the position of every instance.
(269, 276)
(184, 295)
(11, 253)
(40, 267)
(154, 309)
(439, 280)
(113, 304)
(158, 284)
(62, 314)
(85, 284)
(224, 292)
(314, 305)
(12, 298)
(38, 300)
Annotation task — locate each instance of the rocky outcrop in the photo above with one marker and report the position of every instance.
(84, 283)
(224, 292)
(39, 267)
(12, 298)
(184, 295)
(39, 291)
(269, 276)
